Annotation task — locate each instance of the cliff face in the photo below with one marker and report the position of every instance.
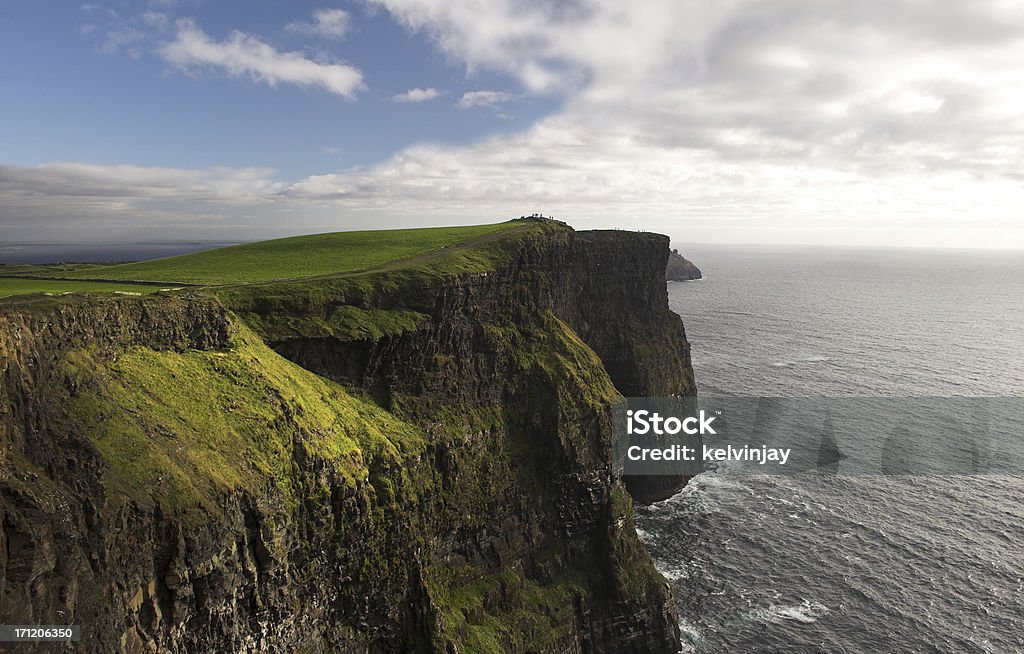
(174, 476)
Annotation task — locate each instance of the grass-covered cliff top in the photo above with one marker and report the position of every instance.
(439, 249)
(295, 257)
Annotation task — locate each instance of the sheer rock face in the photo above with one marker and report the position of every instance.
(502, 529)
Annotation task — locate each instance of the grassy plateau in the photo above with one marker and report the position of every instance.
(293, 258)
(313, 256)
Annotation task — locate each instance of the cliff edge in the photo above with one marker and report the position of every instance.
(409, 458)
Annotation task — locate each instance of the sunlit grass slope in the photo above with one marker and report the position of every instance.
(181, 428)
(296, 257)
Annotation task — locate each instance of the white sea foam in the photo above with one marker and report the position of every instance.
(691, 637)
(805, 612)
(817, 358)
(673, 572)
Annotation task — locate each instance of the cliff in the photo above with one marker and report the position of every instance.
(411, 459)
(680, 269)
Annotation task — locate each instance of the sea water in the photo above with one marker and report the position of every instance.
(844, 563)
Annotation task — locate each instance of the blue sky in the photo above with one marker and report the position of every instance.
(853, 122)
(78, 95)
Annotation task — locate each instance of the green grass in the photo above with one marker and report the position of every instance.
(293, 258)
(13, 286)
(374, 302)
(183, 427)
(532, 616)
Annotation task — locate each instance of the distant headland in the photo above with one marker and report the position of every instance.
(680, 269)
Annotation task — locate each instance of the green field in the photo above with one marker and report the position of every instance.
(320, 259)
(292, 258)
(12, 286)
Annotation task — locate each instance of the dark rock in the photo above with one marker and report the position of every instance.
(680, 269)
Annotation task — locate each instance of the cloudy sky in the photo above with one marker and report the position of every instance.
(897, 122)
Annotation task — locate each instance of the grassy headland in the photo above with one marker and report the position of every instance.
(319, 257)
(298, 278)
(293, 258)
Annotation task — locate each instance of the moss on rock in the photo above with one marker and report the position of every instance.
(181, 428)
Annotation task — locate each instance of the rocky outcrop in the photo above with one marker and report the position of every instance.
(170, 483)
(680, 269)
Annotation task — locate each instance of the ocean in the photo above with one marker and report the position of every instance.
(848, 563)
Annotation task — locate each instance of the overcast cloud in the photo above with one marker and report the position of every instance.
(735, 120)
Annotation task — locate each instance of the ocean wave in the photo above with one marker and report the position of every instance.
(691, 636)
(816, 358)
(806, 612)
(673, 573)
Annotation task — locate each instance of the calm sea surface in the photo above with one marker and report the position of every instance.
(812, 563)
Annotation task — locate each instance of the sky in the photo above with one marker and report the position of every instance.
(832, 122)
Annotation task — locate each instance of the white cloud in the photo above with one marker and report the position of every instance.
(242, 55)
(730, 120)
(795, 115)
(839, 82)
(417, 95)
(472, 99)
(327, 23)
